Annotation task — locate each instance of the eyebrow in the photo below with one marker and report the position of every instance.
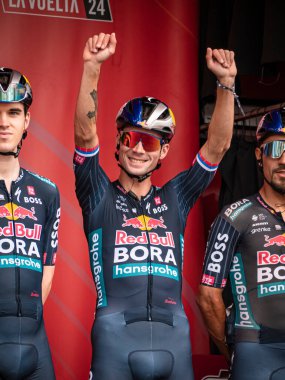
(15, 109)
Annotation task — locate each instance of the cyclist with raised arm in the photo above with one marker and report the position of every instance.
(135, 229)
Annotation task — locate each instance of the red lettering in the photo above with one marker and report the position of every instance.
(262, 257)
(123, 238)
(265, 258)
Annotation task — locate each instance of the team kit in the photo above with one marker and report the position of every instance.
(135, 234)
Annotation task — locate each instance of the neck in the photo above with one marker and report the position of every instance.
(273, 198)
(140, 189)
(9, 170)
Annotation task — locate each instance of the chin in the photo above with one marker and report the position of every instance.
(137, 172)
(6, 150)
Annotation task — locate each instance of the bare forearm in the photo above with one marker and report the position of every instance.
(45, 292)
(86, 108)
(222, 64)
(222, 121)
(213, 310)
(48, 274)
(98, 49)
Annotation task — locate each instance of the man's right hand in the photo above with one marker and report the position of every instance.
(99, 48)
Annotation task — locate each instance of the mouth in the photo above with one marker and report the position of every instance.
(5, 134)
(280, 173)
(136, 160)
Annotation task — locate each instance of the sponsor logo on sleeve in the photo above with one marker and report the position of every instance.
(236, 208)
(216, 256)
(79, 160)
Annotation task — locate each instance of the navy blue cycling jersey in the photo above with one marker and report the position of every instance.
(247, 243)
(29, 218)
(136, 245)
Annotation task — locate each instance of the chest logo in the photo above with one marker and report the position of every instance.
(278, 240)
(15, 212)
(144, 223)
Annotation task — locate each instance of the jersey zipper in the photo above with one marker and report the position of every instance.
(17, 269)
(149, 275)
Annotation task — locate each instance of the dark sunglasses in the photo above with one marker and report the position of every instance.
(273, 149)
(149, 142)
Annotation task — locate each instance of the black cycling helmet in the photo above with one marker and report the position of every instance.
(147, 113)
(14, 87)
(272, 123)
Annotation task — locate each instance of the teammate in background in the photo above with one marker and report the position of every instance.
(135, 230)
(29, 218)
(247, 242)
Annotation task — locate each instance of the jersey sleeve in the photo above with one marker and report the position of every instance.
(51, 228)
(91, 181)
(192, 182)
(221, 246)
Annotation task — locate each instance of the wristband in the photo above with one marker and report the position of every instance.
(232, 90)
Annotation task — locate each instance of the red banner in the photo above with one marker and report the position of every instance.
(157, 55)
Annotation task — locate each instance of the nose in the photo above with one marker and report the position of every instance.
(139, 148)
(282, 158)
(3, 119)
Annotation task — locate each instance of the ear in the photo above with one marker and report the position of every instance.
(27, 121)
(258, 154)
(164, 150)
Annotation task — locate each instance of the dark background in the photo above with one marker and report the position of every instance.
(254, 30)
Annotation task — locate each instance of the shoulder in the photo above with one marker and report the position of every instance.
(40, 181)
(238, 210)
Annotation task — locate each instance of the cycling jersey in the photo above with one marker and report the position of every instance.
(247, 243)
(136, 245)
(29, 219)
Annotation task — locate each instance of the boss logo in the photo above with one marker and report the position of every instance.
(32, 200)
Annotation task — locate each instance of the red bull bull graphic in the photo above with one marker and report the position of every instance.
(12, 211)
(132, 222)
(23, 213)
(144, 222)
(5, 212)
(275, 240)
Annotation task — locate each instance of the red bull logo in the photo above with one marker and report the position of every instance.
(23, 213)
(276, 240)
(5, 212)
(12, 211)
(144, 222)
(133, 222)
